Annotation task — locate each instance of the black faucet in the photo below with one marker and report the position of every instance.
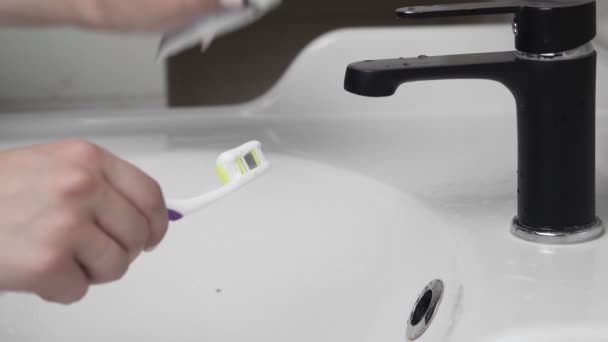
(552, 76)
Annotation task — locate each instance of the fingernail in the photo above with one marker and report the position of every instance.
(233, 3)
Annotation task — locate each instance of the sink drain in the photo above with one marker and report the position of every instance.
(424, 309)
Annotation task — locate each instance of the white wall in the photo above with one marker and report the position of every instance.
(59, 68)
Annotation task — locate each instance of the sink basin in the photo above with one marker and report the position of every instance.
(367, 201)
(324, 246)
(594, 332)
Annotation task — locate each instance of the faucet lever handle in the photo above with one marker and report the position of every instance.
(465, 9)
(543, 26)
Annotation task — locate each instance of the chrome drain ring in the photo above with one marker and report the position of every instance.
(424, 310)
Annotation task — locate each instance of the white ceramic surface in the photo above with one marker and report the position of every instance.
(368, 200)
(602, 14)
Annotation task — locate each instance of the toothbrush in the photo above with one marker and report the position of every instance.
(235, 168)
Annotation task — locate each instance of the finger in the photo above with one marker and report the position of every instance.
(233, 3)
(139, 189)
(60, 280)
(120, 220)
(207, 4)
(195, 7)
(49, 273)
(143, 192)
(176, 15)
(102, 258)
(157, 15)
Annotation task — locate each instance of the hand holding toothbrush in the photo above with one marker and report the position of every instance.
(73, 215)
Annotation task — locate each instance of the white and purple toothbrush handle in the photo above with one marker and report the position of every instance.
(175, 215)
(177, 209)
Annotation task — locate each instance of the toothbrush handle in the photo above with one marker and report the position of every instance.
(180, 208)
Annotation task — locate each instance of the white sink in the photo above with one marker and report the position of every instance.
(309, 252)
(368, 201)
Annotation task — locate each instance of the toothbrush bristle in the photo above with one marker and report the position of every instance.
(250, 160)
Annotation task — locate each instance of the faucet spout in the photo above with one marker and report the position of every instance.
(380, 78)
